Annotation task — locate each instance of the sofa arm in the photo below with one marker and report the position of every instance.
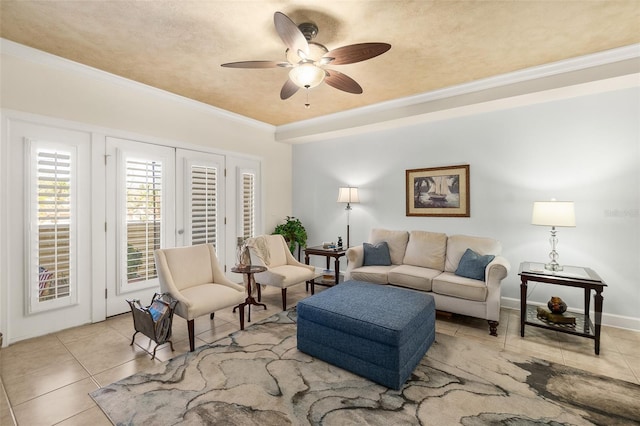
(355, 258)
(495, 272)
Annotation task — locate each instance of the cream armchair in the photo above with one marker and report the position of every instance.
(193, 276)
(283, 270)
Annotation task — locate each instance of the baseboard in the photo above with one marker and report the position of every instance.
(610, 320)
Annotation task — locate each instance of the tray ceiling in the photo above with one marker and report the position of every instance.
(178, 46)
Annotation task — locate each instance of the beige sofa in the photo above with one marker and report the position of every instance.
(428, 261)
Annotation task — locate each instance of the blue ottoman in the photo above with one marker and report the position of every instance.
(378, 332)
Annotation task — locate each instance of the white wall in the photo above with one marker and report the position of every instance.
(582, 148)
(52, 90)
(38, 83)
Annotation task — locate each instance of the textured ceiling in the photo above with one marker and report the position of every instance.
(178, 46)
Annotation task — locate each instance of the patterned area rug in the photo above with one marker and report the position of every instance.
(258, 377)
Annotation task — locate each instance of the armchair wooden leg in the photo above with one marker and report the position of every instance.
(211, 315)
(313, 287)
(242, 317)
(493, 327)
(190, 327)
(259, 292)
(284, 299)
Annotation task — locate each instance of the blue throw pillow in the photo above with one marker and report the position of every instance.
(376, 254)
(472, 265)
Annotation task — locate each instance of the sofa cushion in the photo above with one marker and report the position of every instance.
(415, 277)
(397, 241)
(472, 265)
(426, 249)
(372, 274)
(458, 244)
(453, 285)
(376, 254)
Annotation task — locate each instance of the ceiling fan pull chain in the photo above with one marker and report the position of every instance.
(307, 105)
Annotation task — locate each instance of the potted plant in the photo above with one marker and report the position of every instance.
(293, 232)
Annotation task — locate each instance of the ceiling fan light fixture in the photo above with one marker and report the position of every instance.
(307, 75)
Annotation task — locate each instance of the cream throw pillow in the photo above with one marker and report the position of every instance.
(426, 249)
(397, 241)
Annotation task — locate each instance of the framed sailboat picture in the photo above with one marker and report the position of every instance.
(438, 191)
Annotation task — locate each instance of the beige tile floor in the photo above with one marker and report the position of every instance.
(46, 380)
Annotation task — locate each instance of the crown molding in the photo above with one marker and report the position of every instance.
(8, 47)
(608, 70)
(602, 71)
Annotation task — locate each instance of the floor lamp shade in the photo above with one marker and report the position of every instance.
(348, 195)
(553, 213)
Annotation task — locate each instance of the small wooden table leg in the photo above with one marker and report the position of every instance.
(523, 304)
(598, 318)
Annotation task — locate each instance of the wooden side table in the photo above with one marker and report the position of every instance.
(336, 254)
(248, 270)
(571, 276)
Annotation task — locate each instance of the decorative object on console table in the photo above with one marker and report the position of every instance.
(348, 195)
(556, 305)
(553, 213)
(545, 315)
(438, 191)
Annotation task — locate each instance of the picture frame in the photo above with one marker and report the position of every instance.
(438, 191)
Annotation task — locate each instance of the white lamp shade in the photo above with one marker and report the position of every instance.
(553, 213)
(348, 195)
(306, 75)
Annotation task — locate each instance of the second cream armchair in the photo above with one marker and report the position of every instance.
(283, 270)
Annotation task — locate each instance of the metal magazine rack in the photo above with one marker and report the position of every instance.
(154, 321)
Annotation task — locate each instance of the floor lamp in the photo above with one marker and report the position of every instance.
(553, 213)
(348, 195)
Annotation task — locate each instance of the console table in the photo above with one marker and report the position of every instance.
(571, 276)
(329, 253)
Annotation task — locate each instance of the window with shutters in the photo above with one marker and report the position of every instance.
(144, 219)
(52, 210)
(248, 204)
(204, 205)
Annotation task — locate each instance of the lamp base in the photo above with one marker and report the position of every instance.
(553, 266)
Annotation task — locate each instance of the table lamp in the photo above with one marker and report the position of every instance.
(553, 213)
(348, 195)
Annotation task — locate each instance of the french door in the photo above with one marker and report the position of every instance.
(157, 197)
(140, 190)
(200, 208)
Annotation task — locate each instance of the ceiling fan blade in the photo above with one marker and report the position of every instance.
(342, 82)
(356, 53)
(288, 90)
(290, 33)
(256, 64)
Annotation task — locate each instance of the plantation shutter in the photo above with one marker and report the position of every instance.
(53, 188)
(143, 212)
(204, 205)
(248, 204)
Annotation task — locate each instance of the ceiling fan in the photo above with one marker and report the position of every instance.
(308, 59)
